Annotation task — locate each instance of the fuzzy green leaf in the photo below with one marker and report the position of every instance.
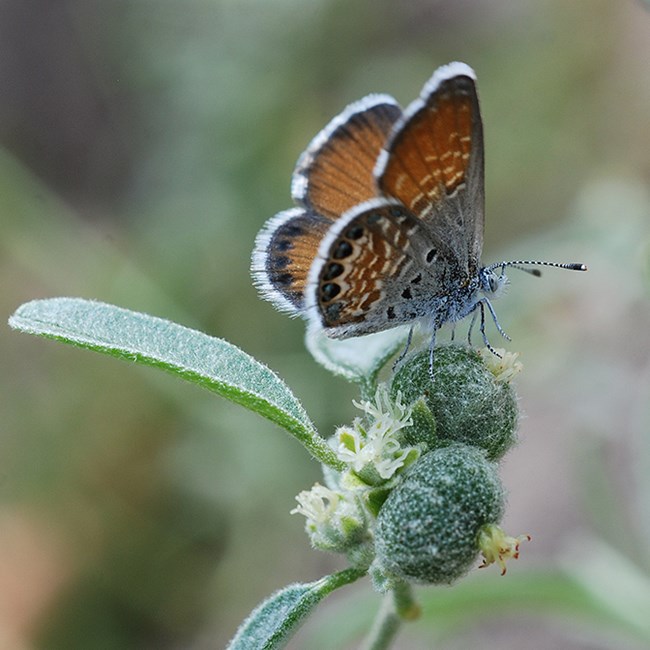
(272, 623)
(210, 362)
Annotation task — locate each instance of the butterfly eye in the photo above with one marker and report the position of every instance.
(494, 283)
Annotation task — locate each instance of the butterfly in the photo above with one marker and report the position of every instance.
(388, 228)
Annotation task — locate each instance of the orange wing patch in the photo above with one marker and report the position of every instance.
(284, 252)
(429, 158)
(336, 171)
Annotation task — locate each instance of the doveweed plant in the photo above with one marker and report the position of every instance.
(410, 493)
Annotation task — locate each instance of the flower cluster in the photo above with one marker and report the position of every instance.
(373, 445)
(339, 517)
(421, 496)
(334, 520)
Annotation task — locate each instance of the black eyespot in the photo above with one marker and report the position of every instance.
(430, 255)
(283, 279)
(281, 261)
(329, 291)
(374, 218)
(417, 279)
(284, 245)
(342, 250)
(292, 231)
(333, 270)
(396, 212)
(355, 232)
(390, 313)
(407, 294)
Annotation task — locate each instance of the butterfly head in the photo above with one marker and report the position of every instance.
(492, 282)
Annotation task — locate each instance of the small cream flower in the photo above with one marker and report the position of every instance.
(376, 444)
(504, 369)
(333, 519)
(498, 547)
(385, 407)
(317, 505)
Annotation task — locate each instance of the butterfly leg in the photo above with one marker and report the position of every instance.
(495, 319)
(471, 327)
(481, 306)
(399, 359)
(432, 346)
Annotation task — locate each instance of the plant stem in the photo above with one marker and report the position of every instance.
(405, 604)
(398, 605)
(385, 627)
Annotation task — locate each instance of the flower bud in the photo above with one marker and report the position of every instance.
(427, 529)
(467, 401)
(333, 520)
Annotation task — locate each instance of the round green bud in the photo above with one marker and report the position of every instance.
(427, 529)
(466, 400)
(423, 429)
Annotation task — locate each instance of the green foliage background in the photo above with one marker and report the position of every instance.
(144, 143)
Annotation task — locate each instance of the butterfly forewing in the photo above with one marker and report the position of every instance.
(433, 163)
(335, 172)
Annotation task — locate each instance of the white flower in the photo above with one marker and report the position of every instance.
(317, 505)
(333, 519)
(384, 406)
(497, 546)
(377, 444)
(504, 369)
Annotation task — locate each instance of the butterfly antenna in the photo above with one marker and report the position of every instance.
(523, 264)
(536, 272)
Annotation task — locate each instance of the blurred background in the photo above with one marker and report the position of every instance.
(143, 145)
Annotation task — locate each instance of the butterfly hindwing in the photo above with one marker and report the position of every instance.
(283, 254)
(335, 173)
(376, 268)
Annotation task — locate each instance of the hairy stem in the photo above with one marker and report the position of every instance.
(398, 606)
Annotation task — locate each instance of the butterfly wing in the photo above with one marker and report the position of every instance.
(283, 254)
(377, 267)
(357, 264)
(433, 163)
(334, 173)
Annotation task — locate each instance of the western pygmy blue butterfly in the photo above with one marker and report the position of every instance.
(389, 228)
